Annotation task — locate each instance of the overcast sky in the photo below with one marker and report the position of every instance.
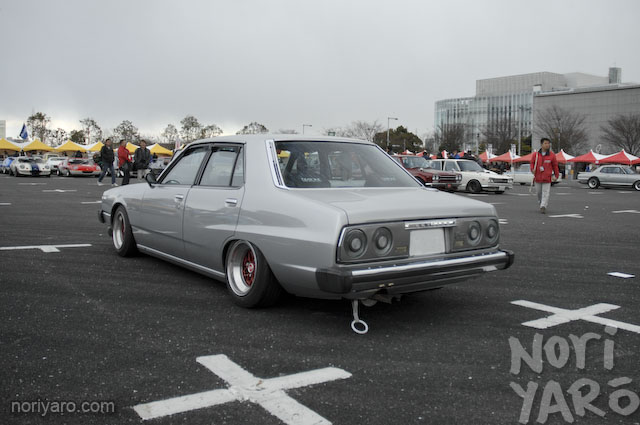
(291, 62)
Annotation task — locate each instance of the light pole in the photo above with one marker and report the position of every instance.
(522, 109)
(388, 119)
(305, 125)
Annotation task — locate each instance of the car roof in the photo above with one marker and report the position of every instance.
(258, 138)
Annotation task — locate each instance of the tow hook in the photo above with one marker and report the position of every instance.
(358, 325)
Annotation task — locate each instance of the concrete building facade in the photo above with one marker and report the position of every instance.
(515, 99)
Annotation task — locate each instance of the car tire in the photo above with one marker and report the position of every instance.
(122, 235)
(249, 278)
(636, 185)
(593, 183)
(67, 173)
(474, 186)
(499, 192)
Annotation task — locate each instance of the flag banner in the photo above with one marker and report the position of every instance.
(23, 132)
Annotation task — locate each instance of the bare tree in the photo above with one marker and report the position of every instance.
(210, 131)
(57, 136)
(253, 128)
(170, 134)
(363, 130)
(623, 132)
(450, 137)
(500, 132)
(91, 130)
(191, 128)
(37, 125)
(566, 129)
(127, 131)
(286, 131)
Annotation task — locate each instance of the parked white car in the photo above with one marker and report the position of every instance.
(29, 166)
(54, 162)
(475, 179)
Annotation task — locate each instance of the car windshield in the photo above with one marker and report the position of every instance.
(524, 168)
(79, 161)
(628, 170)
(31, 160)
(335, 164)
(415, 162)
(466, 165)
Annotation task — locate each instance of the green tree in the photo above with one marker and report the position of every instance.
(210, 131)
(37, 125)
(77, 136)
(57, 136)
(191, 128)
(170, 134)
(623, 132)
(400, 140)
(253, 128)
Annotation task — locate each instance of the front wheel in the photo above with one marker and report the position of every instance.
(474, 186)
(593, 183)
(636, 185)
(122, 236)
(249, 278)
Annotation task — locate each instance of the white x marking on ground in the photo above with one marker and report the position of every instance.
(243, 386)
(45, 248)
(561, 315)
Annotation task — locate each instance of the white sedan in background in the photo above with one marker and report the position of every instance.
(28, 166)
(475, 179)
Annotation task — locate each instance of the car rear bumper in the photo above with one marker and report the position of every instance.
(410, 276)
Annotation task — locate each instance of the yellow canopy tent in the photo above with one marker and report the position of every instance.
(70, 146)
(37, 145)
(159, 150)
(95, 147)
(6, 145)
(131, 147)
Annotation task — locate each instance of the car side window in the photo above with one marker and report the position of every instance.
(185, 170)
(450, 166)
(220, 168)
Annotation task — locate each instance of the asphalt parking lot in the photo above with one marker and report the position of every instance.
(80, 324)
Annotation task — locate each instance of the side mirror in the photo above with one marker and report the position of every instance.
(151, 179)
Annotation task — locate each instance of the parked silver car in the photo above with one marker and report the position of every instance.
(316, 217)
(474, 178)
(611, 176)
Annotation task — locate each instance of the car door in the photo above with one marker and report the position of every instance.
(159, 223)
(213, 206)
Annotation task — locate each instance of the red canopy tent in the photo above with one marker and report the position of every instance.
(563, 157)
(486, 156)
(526, 158)
(635, 162)
(591, 157)
(505, 157)
(621, 157)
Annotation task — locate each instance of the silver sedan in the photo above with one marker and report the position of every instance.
(611, 176)
(316, 217)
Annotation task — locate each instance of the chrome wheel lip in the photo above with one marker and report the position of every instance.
(237, 268)
(118, 230)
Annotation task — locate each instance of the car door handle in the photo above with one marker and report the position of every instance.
(179, 198)
(231, 202)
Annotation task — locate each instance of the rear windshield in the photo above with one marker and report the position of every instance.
(334, 164)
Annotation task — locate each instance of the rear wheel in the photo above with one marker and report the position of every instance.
(122, 236)
(636, 185)
(593, 183)
(249, 278)
(474, 186)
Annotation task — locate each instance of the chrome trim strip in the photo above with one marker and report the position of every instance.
(272, 155)
(432, 264)
(429, 224)
(178, 260)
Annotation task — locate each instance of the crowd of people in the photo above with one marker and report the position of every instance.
(140, 163)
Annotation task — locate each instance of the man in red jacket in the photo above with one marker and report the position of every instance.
(543, 164)
(124, 161)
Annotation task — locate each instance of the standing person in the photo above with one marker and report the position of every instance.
(124, 162)
(106, 162)
(543, 164)
(141, 160)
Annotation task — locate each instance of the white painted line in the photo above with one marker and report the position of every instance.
(562, 194)
(566, 215)
(596, 193)
(520, 194)
(561, 315)
(622, 275)
(91, 202)
(496, 203)
(478, 194)
(503, 221)
(33, 184)
(626, 211)
(60, 190)
(243, 386)
(620, 191)
(5, 204)
(44, 248)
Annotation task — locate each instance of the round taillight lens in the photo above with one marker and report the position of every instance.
(474, 233)
(355, 243)
(382, 241)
